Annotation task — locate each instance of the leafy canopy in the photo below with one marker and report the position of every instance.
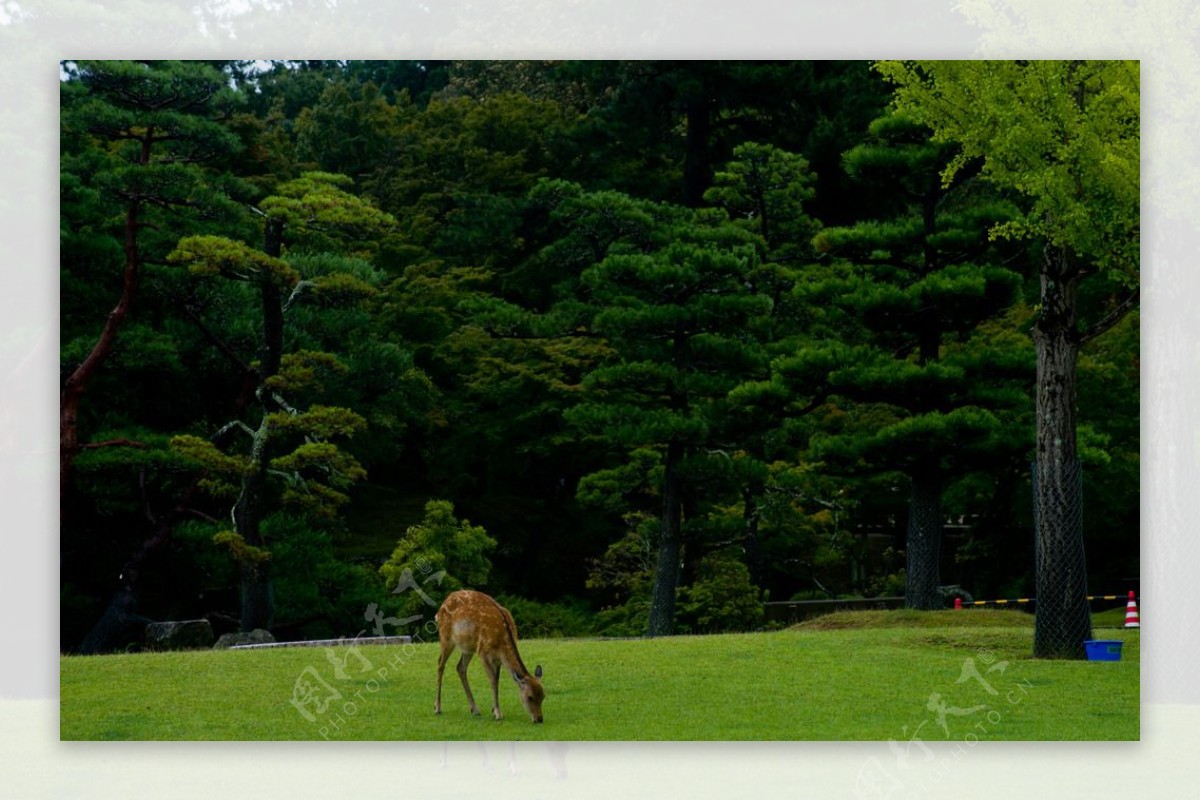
(1065, 134)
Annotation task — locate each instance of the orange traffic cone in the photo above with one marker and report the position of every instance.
(1131, 613)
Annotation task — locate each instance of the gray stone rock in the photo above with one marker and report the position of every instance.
(951, 591)
(253, 637)
(173, 635)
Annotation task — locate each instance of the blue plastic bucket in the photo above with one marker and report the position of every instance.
(1103, 650)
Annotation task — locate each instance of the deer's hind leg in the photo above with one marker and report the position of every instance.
(463, 661)
(447, 649)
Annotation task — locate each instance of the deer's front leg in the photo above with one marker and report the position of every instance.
(493, 674)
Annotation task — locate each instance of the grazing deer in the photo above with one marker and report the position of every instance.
(476, 624)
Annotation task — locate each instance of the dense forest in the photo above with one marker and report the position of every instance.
(634, 346)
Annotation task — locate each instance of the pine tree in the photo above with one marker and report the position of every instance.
(144, 154)
(677, 317)
(313, 211)
(136, 137)
(925, 276)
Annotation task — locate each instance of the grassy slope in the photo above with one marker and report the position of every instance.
(807, 683)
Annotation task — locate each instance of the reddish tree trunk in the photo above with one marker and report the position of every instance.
(76, 383)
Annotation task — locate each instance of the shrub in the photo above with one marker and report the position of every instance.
(435, 557)
(569, 617)
(312, 585)
(722, 598)
(629, 619)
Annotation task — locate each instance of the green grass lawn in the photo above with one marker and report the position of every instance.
(942, 676)
(1109, 619)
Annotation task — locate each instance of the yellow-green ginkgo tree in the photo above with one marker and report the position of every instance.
(1065, 137)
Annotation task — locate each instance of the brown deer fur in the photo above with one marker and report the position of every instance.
(476, 623)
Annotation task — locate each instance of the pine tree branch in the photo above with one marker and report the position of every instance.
(287, 407)
(229, 427)
(111, 443)
(1112, 318)
(204, 516)
(217, 341)
(297, 291)
(147, 510)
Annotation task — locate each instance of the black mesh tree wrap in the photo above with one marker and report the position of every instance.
(1063, 619)
(923, 545)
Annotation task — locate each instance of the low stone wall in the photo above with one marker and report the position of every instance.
(239, 638)
(341, 641)
(176, 635)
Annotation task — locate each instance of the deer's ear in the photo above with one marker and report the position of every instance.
(517, 677)
(537, 672)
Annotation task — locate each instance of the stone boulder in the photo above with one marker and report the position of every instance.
(252, 637)
(951, 591)
(174, 635)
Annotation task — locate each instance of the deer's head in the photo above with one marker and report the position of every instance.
(532, 693)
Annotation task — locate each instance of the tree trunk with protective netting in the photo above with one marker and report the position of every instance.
(923, 545)
(1063, 618)
(670, 547)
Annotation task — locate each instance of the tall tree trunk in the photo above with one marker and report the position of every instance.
(752, 543)
(924, 541)
(121, 623)
(670, 548)
(257, 590)
(675, 496)
(696, 168)
(76, 384)
(1063, 619)
(257, 596)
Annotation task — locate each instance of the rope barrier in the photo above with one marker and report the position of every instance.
(1034, 600)
(1003, 601)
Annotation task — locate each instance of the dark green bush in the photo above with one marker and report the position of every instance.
(721, 599)
(569, 617)
(629, 619)
(318, 594)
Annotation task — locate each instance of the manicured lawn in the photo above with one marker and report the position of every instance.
(947, 678)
